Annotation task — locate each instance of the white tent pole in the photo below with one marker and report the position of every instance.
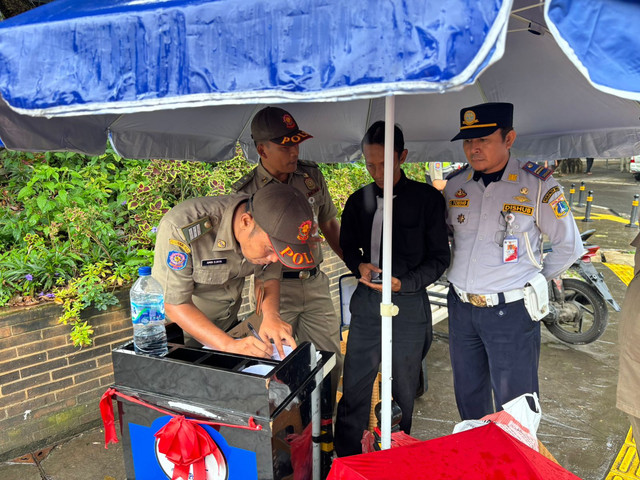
(385, 306)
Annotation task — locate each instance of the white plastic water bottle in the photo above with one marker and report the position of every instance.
(147, 313)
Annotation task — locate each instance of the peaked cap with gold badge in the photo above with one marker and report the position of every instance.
(484, 119)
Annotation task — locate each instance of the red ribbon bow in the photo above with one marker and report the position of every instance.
(106, 410)
(185, 443)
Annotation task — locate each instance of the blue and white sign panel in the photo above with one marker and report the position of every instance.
(231, 463)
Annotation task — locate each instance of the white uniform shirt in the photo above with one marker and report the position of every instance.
(474, 216)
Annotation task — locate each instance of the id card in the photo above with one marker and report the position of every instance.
(510, 250)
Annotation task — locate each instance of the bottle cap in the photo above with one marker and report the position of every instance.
(144, 271)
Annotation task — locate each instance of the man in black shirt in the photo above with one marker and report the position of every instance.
(420, 255)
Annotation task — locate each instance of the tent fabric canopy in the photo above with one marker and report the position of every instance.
(600, 38)
(182, 79)
(120, 56)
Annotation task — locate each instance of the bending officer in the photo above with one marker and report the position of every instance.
(206, 246)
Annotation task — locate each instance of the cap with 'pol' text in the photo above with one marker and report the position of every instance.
(278, 126)
(284, 213)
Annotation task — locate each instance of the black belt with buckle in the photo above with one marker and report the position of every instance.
(302, 274)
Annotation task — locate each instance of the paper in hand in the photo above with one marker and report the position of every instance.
(276, 356)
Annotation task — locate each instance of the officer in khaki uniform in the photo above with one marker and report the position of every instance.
(206, 246)
(305, 301)
(628, 397)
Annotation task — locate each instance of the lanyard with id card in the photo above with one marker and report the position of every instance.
(510, 242)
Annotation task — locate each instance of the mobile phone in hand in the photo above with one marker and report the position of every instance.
(376, 277)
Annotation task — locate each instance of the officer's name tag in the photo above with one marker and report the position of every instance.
(510, 250)
(213, 261)
(459, 202)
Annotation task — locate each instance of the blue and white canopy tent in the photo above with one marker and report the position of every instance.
(182, 79)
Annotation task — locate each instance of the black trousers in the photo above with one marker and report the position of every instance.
(589, 164)
(492, 349)
(412, 335)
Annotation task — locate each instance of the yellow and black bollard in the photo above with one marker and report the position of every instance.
(572, 192)
(581, 195)
(587, 212)
(634, 213)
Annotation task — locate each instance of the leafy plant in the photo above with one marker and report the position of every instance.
(75, 228)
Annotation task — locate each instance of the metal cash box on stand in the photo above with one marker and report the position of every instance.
(234, 391)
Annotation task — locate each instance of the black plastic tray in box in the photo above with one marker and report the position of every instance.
(214, 378)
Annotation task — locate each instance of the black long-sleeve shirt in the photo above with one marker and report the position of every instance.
(420, 244)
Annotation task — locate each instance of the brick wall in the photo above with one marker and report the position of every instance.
(49, 390)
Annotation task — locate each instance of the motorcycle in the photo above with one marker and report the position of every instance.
(578, 300)
(578, 312)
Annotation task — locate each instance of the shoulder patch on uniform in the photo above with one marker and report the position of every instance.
(177, 260)
(196, 229)
(560, 207)
(537, 171)
(308, 163)
(457, 172)
(180, 244)
(243, 181)
(550, 193)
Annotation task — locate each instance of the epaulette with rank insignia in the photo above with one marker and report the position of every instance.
(457, 172)
(244, 180)
(308, 163)
(196, 229)
(537, 171)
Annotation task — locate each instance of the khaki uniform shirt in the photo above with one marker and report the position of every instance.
(309, 180)
(629, 338)
(197, 257)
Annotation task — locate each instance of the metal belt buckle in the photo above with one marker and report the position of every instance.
(304, 274)
(477, 300)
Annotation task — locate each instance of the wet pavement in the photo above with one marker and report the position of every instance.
(580, 425)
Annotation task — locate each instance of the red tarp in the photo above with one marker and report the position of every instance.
(481, 453)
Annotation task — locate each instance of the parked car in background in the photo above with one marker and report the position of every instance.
(634, 166)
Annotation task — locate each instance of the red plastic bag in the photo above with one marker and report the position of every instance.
(371, 441)
(301, 459)
(513, 427)
(368, 442)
